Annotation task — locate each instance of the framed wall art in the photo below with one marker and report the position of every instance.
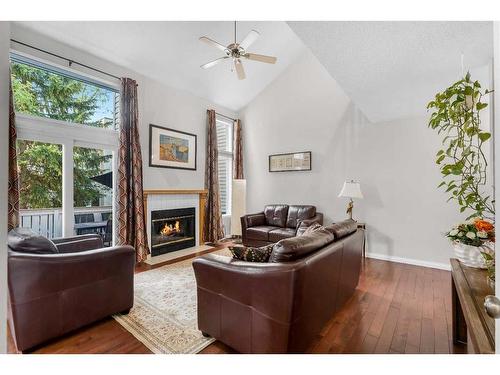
(295, 161)
(169, 148)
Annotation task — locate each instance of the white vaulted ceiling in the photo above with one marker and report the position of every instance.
(392, 69)
(171, 53)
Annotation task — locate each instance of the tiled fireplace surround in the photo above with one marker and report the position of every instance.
(171, 199)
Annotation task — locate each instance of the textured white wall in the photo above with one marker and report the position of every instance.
(4, 146)
(179, 110)
(305, 109)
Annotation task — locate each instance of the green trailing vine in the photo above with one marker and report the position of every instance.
(456, 114)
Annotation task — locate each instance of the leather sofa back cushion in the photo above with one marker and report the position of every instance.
(297, 213)
(305, 229)
(24, 240)
(343, 228)
(291, 249)
(276, 215)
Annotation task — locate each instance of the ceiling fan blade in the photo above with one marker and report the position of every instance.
(240, 72)
(214, 62)
(261, 58)
(213, 43)
(252, 36)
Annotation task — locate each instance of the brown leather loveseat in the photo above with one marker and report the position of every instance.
(276, 222)
(282, 305)
(78, 283)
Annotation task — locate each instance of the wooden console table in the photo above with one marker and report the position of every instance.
(470, 323)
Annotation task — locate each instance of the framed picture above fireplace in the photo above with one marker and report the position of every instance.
(170, 148)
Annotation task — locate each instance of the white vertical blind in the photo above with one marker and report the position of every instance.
(225, 147)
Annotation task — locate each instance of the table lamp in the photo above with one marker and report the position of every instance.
(351, 189)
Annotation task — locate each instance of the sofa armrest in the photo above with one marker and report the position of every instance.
(78, 243)
(253, 220)
(31, 276)
(75, 238)
(245, 282)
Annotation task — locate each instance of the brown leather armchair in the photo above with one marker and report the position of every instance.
(52, 294)
(277, 307)
(276, 222)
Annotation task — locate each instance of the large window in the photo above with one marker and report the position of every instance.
(46, 91)
(67, 138)
(225, 147)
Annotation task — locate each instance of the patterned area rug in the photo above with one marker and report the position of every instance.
(164, 316)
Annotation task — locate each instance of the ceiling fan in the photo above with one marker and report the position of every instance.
(237, 51)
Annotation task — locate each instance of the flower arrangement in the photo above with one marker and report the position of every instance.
(489, 260)
(473, 232)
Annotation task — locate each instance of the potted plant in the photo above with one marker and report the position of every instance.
(463, 164)
(471, 240)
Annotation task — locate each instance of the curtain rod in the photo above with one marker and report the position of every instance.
(221, 115)
(65, 58)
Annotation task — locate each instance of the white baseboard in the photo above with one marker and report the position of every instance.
(415, 262)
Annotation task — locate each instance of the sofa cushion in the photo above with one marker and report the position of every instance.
(24, 240)
(291, 249)
(276, 215)
(281, 233)
(343, 228)
(260, 233)
(251, 254)
(306, 229)
(297, 213)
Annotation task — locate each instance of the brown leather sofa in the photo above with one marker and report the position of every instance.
(280, 306)
(276, 222)
(52, 294)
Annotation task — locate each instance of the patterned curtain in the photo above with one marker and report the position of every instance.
(213, 230)
(13, 194)
(238, 152)
(131, 216)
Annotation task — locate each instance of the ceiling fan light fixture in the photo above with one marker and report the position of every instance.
(237, 51)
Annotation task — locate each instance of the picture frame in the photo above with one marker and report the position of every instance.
(290, 162)
(171, 148)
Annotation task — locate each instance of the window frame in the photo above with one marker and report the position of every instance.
(69, 135)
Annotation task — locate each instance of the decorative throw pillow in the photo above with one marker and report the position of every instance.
(252, 254)
(24, 240)
(306, 229)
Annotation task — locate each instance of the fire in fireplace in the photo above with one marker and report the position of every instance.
(172, 230)
(169, 229)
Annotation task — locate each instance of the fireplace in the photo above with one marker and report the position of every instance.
(172, 230)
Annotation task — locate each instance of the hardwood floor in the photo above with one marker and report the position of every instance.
(397, 308)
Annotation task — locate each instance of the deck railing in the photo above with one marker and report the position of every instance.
(48, 221)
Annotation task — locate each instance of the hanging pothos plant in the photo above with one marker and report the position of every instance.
(456, 114)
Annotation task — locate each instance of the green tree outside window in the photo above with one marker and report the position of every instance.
(41, 93)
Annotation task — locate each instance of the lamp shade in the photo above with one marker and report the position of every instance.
(351, 189)
(238, 205)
